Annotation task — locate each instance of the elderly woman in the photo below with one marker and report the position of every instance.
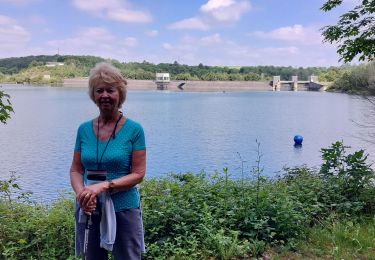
(109, 161)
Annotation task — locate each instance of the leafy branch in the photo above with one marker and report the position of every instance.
(354, 32)
(5, 107)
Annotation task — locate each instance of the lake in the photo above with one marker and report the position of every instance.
(185, 132)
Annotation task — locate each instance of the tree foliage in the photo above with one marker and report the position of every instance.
(5, 107)
(354, 32)
(356, 80)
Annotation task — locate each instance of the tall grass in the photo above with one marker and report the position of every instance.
(334, 239)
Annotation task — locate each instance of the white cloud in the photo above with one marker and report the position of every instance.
(211, 40)
(15, 40)
(96, 34)
(90, 38)
(216, 50)
(189, 23)
(167, 46)
(212, 5)
(214, 13)
(96, 41)
(13, 36)
(96, 6)
(36, 19)
(295, 34)
(123, 15)
(6, 20)
(224, 11)
(115, 10)
(192, 50)
(152, 33)
(291, 50)
(130, 42)
(88, 41)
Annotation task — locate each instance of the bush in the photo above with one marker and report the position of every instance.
(188, 216)
(34, 231)
(348, 179)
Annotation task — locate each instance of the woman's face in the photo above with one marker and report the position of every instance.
(106, 97)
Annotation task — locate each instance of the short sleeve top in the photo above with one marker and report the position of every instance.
(117, 158)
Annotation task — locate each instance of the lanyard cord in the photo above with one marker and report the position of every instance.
(105, 148)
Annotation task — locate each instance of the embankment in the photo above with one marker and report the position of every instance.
(193, 86)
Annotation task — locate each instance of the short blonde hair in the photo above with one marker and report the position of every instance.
(104, 73)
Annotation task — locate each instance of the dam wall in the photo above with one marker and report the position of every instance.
(191, 86)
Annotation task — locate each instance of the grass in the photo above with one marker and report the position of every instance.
(344, 239)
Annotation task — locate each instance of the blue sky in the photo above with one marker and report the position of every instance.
(212, 32)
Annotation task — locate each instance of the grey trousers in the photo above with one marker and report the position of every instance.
(129, 236)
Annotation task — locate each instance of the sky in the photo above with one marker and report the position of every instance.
(212, 32)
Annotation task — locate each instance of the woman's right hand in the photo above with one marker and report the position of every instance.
(89, 209)
(87, 201)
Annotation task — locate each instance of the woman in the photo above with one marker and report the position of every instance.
(110, 150)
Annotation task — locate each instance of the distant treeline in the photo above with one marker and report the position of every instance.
(357, 80)
(32, 69)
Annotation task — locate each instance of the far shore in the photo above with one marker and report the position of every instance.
(189, 85)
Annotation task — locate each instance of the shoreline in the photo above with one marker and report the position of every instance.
(188, 86)
(181, 85)
(191, 86)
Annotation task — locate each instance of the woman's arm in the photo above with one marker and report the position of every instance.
(138, 171)
(88, 201)
(76, 174)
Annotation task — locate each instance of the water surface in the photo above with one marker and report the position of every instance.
(185, 132)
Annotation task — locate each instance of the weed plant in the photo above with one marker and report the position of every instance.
(213, 216)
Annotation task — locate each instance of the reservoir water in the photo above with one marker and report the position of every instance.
(185, 132)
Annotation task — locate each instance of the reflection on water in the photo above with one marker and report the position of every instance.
(366, 126)
(184, 131)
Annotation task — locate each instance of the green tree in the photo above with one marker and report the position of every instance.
(235, 77)
(354, 32)
(251, 76)
(183, 76)
(357, 80)
(36, 63)
(5, 107)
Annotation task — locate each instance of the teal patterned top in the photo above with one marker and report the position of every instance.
(116, 159)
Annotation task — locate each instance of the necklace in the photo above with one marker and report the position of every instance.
(113, 135)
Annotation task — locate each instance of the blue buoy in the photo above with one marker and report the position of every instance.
(298, 140)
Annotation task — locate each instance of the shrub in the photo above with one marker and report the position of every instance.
(200, 216)
(348, 179)
(31, 230)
